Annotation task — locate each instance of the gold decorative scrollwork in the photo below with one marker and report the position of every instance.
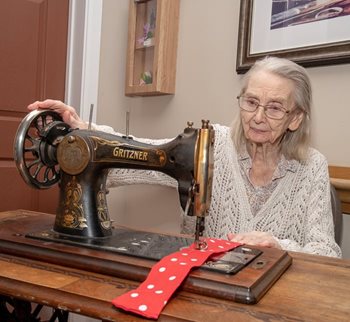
(162, 157)
(73, 214)
(102, 211)
(100, 141)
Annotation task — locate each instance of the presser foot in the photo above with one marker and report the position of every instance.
(200, 244)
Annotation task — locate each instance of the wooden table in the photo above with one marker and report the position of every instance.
(314, 288)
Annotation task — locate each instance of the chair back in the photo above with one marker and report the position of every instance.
(337, 215)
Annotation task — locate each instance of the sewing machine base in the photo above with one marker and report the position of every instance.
(247, 286)
(152, 246)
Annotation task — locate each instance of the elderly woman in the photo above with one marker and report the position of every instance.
(270, 188)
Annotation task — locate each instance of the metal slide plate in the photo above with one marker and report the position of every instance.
(153, 246)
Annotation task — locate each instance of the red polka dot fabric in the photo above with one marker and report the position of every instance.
(165, 277)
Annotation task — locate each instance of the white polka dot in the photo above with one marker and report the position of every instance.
(150, 286)
(184, 254)
(174, 259)
(162, 269)
(165, 302)
(212, 240)
(134, 294)
(221, 246)
(171, 278)
(159, 292)
(143, 307)
(183, 263)
(194, 259)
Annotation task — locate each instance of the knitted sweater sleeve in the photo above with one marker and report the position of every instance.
(318, 226)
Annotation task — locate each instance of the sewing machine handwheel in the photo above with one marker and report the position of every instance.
(35, 148)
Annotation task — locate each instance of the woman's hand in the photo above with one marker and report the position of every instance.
(257, 238)
(68, 113)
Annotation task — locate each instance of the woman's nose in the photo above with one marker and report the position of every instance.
(259, 114)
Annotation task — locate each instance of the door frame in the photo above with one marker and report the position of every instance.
(83, 56)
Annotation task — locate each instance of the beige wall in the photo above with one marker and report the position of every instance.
(206, 87)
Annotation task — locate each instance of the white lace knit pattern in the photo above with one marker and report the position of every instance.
(298, 213)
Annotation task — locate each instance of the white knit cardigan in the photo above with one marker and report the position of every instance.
(298, 213)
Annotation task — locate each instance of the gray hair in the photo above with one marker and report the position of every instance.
(294, 144)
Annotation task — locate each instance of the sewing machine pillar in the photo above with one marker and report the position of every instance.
(82, 209)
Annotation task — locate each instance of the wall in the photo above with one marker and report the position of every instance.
(206, 87)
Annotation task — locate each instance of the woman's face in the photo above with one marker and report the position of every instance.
(268, 88)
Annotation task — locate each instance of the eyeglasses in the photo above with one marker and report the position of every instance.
(273, 110)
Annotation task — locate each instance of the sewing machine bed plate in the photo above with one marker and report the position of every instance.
(153, 246)
(246, 286)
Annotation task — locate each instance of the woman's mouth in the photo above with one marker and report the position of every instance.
(257, 130)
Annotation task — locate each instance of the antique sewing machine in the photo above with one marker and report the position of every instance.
(80, 160)
(48, 152)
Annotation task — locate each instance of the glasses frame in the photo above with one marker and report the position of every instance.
(284, 110)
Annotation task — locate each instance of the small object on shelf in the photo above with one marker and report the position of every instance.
(148, 42)
(147, 38)
(152, 46)
(146, 78)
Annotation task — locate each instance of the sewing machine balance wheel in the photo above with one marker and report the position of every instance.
(35, 147)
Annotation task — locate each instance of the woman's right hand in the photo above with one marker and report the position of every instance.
(68, 113)
(258, 238)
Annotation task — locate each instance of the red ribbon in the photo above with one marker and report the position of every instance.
(165, 277)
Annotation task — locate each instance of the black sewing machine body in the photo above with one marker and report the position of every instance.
(47, 151)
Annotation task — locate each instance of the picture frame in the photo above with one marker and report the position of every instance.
(329, 52)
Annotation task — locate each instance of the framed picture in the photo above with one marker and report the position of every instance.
(309, 32)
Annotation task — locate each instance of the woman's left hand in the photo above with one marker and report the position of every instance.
(68, 113)
(257, 238)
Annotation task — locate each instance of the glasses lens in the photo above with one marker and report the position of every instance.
(248, 104)
(274, 111)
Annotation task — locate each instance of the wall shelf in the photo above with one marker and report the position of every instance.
(152, 47)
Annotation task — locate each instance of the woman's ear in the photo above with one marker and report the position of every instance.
(296, 121)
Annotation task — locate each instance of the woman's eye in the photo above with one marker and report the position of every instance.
(275, 107)
(252, 102)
